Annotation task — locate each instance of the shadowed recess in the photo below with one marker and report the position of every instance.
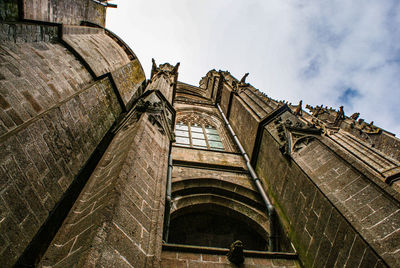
(213, 230)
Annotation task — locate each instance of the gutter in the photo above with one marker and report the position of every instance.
(270, 208)
(168, 197)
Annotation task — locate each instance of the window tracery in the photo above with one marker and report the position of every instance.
(200, 134)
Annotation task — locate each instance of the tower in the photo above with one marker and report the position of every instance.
(100, 166)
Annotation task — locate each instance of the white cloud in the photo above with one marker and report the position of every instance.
(310, 50)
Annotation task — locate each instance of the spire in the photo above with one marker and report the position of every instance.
(153, 67)
(175, 70)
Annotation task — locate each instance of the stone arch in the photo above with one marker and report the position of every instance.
(251, 220)
(223, 186)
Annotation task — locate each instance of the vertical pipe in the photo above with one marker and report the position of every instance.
(257, 182)
(168, 197)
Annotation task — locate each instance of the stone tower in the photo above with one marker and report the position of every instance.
(101, 167)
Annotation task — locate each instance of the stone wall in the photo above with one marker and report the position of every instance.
(64, 11)
(100, 51)
(177, 259)
(9, 10)
(244, 123)
(336, 208)
(225, 98)
(27, 33)
(329, 207)
(203, 157)
(129, 79)
(54, 112)
(245, 107)
(117, 219)
(40, 159)
(35, 78)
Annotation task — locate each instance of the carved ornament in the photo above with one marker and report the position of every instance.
(294, 135)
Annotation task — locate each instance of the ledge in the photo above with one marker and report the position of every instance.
(224, 251)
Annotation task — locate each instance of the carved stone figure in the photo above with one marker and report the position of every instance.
(235, 254)
(355, 116)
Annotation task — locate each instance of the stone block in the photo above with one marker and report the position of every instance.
(369, 259)
(346, 247)
(171, 263)
(209, 258)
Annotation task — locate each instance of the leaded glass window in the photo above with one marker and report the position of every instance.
(198, 136)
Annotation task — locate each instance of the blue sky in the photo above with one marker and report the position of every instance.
(322, 52)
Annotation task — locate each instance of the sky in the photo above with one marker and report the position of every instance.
(330, 52)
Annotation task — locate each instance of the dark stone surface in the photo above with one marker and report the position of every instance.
(9, 10)
(65, 11)
(43, 157)
(320, 232)
(212, 230)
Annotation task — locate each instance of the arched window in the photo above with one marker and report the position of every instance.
(195, 135)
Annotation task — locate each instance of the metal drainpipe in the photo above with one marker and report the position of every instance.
(257, 182)
(168, 198)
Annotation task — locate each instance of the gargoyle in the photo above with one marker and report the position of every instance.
(235, 254)
(339, 116)
(299, 109)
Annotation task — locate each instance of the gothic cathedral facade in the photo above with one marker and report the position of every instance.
(103, 167)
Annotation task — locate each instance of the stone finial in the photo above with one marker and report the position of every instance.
(299, 109)
(235, 254)
(243, 80)
(339, 116)
(153, 68)
(176, 67)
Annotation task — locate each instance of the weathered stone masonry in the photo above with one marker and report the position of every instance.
(338, 212)
(54, 110)
(85, 142)
(116, 220)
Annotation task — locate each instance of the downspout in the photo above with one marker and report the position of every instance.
(168, 196)
(270, 208)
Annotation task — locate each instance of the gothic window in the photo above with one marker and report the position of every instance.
(203, 136)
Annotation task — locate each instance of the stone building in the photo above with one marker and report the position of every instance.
(101, 167)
